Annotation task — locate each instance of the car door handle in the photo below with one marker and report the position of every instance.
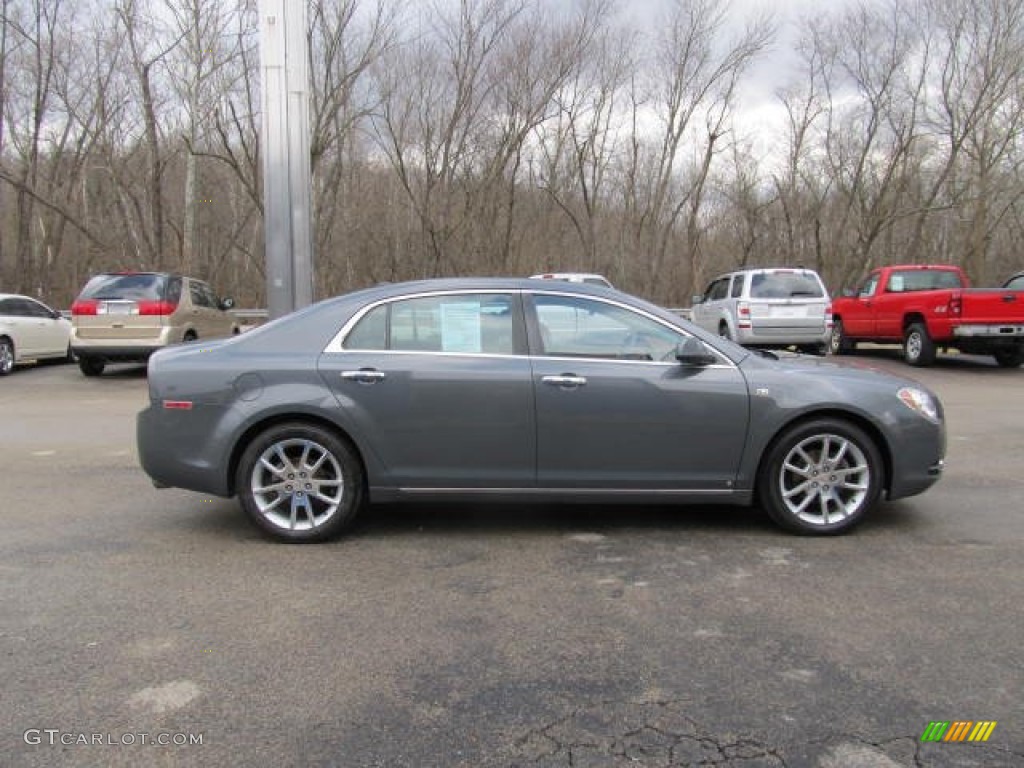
(364, 376)
(565, 381)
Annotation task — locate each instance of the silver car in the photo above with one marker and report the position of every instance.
(528, 390)
(768, 308)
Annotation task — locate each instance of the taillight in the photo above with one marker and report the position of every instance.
(157, 307)
(85, 307)
(956, 304)
(743, 315)
(828, 316)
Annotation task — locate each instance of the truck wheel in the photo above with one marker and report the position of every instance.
(918, 347)
(1009, 358)
(91, 366)
(840, 343)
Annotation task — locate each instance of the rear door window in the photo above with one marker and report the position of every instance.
(458, 323)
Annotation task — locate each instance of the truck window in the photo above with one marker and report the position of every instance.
(868, 289)
(924, 280)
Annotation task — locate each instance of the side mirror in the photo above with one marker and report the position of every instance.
(694, 352)
(227, 303)
(697, 298)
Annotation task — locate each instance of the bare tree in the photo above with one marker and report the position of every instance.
(694, 77)
(978, 116)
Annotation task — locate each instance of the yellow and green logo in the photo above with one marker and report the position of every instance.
(958, 730)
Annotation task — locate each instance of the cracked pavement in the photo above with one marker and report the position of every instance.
(522, 637)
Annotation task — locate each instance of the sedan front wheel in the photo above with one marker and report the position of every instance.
(821, 477)
(300, 483)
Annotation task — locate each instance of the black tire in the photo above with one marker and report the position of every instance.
(6, 356)
(840, 343)
(333, 469)
(918, 347)
(1009, 358)
(70, 357)
(814, 349)
(803, 491)
(723, 331)
(91, 366)
(189, 337)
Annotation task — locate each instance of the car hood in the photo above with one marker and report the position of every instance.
(851, 370)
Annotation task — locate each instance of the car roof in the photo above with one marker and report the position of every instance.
(20, 296)
(388, 290)
(749, 270)
(566, 275)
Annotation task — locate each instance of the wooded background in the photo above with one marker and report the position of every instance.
(505, 137)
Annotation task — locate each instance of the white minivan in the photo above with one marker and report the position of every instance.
(780, 307)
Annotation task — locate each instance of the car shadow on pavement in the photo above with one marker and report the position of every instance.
(944, 360)
(224, 519)
(544, 519)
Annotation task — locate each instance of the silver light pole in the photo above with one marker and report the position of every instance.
(284, 58)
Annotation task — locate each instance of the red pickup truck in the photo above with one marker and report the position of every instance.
(928, 307)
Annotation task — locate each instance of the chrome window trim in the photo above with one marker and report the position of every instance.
(336, 345)
(418, 491)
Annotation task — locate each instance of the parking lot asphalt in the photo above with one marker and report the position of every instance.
(500, 636)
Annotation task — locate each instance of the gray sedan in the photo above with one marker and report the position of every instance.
(516, 389)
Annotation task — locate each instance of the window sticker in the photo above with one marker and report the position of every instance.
(460, 327)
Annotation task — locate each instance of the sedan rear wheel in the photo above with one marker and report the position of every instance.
(300, 482)
(821, 477)
(6, 357)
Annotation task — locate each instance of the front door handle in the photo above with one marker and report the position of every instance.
(364, 376)
(565, 381)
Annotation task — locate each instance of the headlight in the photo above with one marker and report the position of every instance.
(920, 401)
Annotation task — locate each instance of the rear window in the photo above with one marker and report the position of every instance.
(135, 287)
(786, 285)
(923, 280)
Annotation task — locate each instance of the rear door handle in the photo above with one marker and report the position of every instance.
(364, 376)
(565, 381)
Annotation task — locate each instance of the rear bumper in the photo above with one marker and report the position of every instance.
(782, 337)
(115, 354)
(989, 331)
(176, 451)
(130, 349)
